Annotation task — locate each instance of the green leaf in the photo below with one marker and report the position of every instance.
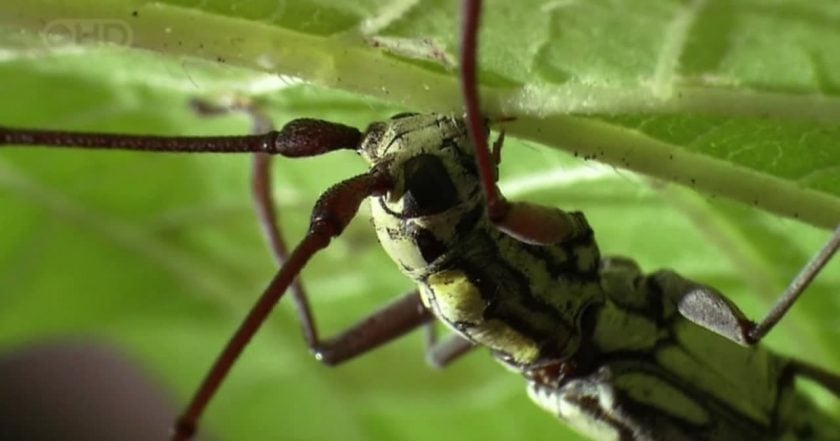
(161, 255)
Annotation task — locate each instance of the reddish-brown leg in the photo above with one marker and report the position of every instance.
(471, 21)
(393, 320)
(440, 354)
(267, 214)
(331, 214)
(264, 204)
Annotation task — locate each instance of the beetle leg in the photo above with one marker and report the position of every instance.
(391, 321)
(333, 211)
(440, 354)
(796, 288)
(824, 378)
(704, 306)
(540, 225)
(710, 309)
(532, 223)
(267, 214)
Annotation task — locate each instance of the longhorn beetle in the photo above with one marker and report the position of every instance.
(612, 351)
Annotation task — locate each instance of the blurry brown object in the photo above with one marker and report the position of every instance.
(80, 391)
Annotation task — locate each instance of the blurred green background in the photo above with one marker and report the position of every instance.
(161, 254)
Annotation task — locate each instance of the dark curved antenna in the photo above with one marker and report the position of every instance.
(471, 16)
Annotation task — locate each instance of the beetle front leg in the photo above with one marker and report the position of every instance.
(540, 225)
(443, 353)
(440, 354)
(533, 223)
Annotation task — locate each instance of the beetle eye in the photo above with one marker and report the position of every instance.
(428, 187)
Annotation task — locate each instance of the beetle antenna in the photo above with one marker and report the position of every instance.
(471, 14)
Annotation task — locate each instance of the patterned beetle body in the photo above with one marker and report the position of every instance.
(602, 345)
(486, 285)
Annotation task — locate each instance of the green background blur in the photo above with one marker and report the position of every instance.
(161, 254)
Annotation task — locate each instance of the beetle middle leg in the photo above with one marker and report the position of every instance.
(708, 308)
(440, 354)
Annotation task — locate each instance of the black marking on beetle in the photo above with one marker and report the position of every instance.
(585, 359)
(384, 205)
(469, 221)
(398, 137)
(645, 362)
(402, 115)
(657, 299)
(466, 160)
(463, 327)
(723, 416)
(430, 247)
(394, 234)
(405, 268)
(669, 426)
(593, 408)
(558, 261)
(508, 295)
